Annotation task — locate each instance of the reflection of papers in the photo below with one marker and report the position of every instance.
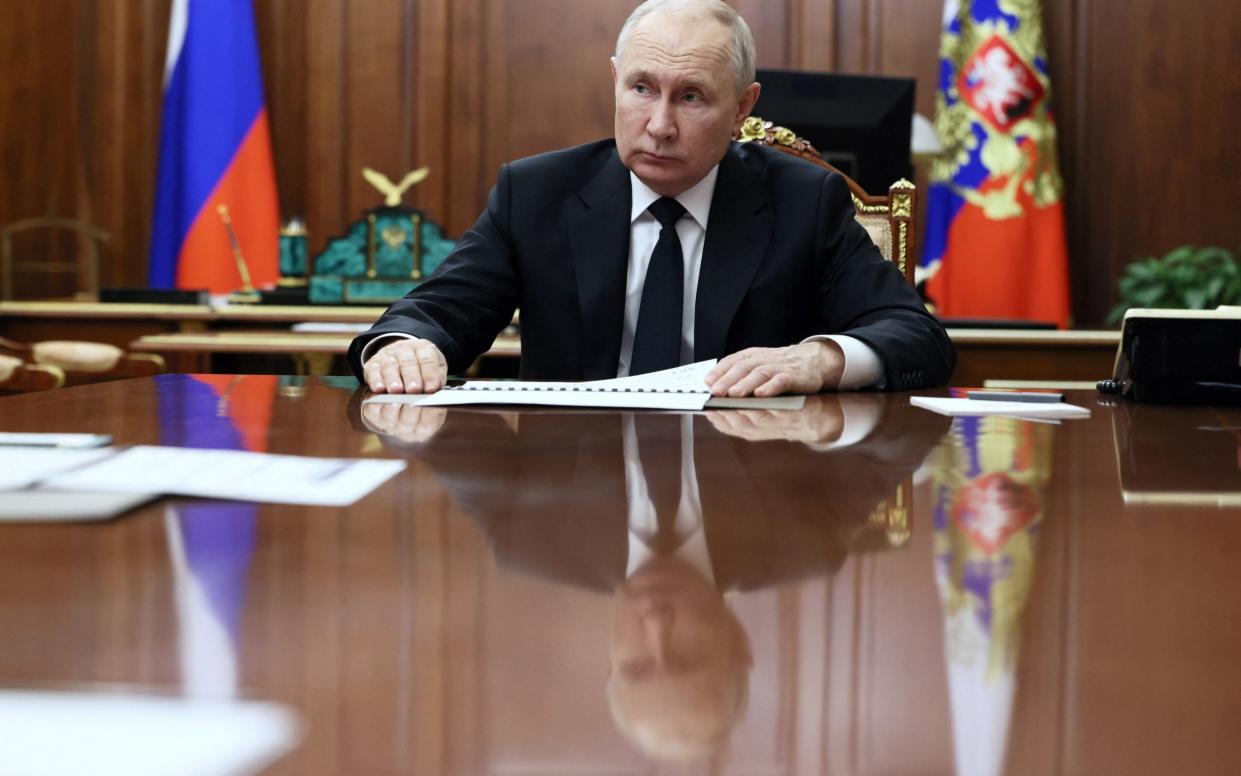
(55, 734)
(285, 479)
(65, 505)
(679, 388)
(1015, 409)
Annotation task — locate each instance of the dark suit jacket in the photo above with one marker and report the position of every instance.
(784, 259)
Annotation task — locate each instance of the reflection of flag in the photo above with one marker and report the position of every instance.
(214, 149)
(217, 538)
(994, 243)
(989, 478)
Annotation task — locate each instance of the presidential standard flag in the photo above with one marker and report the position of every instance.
(215, 150)
(994, 245)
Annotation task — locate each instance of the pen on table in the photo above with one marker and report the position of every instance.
(1039, 397)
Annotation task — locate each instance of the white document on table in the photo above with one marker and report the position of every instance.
(243, 476)
(1017, 409)
(21, 467)
(67, 734)
(679, 388)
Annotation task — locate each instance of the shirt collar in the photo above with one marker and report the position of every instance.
(696, 200)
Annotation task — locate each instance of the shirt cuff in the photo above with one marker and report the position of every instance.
(863, 367)
(860, 418)
(380, 341)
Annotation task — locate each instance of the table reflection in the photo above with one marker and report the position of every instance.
(669, 512)
(1206, 471)
(989, 477)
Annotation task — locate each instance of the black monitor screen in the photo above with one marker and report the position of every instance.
(860, 124)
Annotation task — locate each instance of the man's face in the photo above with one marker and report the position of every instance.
(676, 100)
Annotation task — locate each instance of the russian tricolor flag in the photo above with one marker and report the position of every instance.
(215, 149)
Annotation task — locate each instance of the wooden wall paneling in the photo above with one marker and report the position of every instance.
(769, 22)
(1165, 103)
(430, 57)
(374, 99)
(812, 35)
(468, 97)
(327, 120)
(40, 155)
(283, 44)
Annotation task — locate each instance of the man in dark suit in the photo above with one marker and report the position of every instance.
(667, 245)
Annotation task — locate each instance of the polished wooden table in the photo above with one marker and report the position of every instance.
(874, 589)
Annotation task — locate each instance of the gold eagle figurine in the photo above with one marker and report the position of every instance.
(394, 191)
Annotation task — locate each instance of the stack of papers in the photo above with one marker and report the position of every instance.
(68, 484)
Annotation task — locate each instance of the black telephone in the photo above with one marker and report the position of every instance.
(1179, 357)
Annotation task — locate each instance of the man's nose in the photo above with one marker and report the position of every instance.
(657, 625)
(662, 124)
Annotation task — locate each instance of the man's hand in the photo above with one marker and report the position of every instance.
(406, 366)
(806, 368)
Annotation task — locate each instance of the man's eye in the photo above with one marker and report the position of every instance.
(642, 88)
(691, 97)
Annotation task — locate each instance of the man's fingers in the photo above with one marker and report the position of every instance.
(406, 366)
(433, 367)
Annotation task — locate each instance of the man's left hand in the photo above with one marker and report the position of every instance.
(806, 368)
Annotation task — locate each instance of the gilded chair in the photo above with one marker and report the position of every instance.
(85, 266)
(888, 219)
(84, 362)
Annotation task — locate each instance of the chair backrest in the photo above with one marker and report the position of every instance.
(85, 266)
(888, 219)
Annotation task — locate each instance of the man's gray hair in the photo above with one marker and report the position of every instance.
(742, 56)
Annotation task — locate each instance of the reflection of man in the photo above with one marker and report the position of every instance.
(668, 512)
(667, 245)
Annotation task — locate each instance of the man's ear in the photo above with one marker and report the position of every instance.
(612, 63)
(746, 104)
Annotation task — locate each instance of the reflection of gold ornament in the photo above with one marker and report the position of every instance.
(394, 191)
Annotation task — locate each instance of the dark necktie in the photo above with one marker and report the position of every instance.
(659, 448)
(657, 338)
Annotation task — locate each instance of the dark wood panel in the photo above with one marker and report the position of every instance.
(1147, 101)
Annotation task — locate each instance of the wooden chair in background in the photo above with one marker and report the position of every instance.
(888, 219)
(85, 265)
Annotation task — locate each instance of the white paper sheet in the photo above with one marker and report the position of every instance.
(68, 734)
(679, 388)
(1019, 409)
(243, 476)
(20, 467)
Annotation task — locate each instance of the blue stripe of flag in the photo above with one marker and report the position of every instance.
(212, 99)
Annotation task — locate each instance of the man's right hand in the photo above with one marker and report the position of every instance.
(406, 366)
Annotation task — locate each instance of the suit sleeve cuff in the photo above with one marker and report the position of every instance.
(380, 341)
(863, 367)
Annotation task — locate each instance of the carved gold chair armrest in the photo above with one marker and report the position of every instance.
(888, 219)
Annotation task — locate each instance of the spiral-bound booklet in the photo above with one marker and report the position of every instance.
(679, 388)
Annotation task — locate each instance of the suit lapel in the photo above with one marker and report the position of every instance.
(600, 243)
(738, 231)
